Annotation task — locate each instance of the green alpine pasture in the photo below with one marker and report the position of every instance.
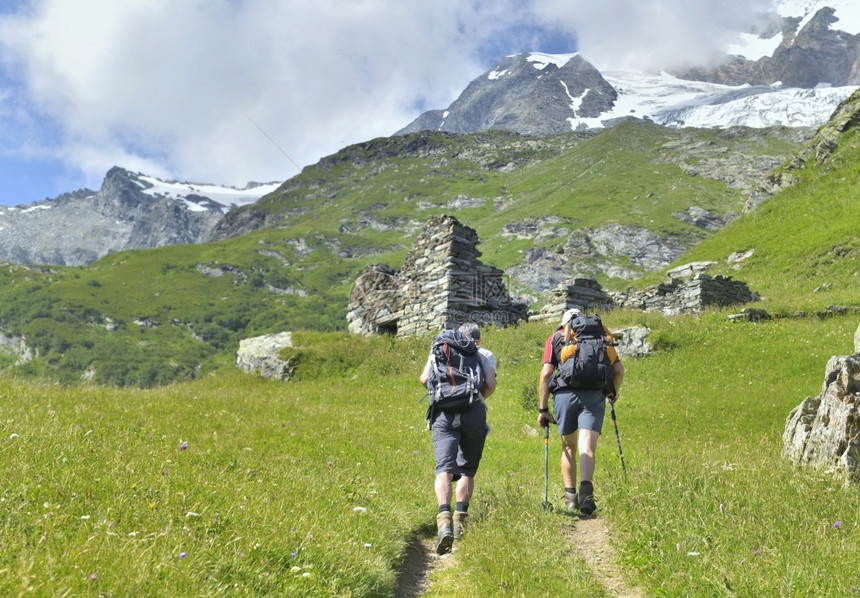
(232, 485)
(138, 461)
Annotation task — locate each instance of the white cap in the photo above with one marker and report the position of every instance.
(569, 315)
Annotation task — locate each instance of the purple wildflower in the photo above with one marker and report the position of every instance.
(294, 555)
(837, 524)
(182, 555)
(329, 463)
(756, 551)
(183, 446)
(92, 575)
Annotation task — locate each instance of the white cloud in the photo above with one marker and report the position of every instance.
(652, 34)
(171, 88)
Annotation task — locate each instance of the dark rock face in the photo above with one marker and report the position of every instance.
(817, 54)
(526, 96)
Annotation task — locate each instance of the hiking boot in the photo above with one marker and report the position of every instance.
(571, 501)
(586, 498)
(445, 534)
(460, 518)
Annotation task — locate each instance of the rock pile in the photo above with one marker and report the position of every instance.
(822, 432)
(688, 289)
(442, 284)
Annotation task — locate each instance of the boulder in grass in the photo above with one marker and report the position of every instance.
(260, 355)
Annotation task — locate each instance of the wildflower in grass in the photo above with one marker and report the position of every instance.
(93, 575)
(756, 551)
(183, 446)
(329, 463)
(837, 524)
(182, 555)
(294, 555)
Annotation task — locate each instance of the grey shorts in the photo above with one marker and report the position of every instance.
(458, 442)
(579, 409)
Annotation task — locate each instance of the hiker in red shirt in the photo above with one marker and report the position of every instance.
(579, 411)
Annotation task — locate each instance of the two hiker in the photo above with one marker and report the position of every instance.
(579, 405)
(458, 429)
(580, 368)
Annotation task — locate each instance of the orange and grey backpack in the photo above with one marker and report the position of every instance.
(583, 360)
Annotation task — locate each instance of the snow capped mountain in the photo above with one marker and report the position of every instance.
(792, 68)
(538, 93)
(130, 211)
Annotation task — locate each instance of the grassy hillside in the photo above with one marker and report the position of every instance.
(232, 485)
(805, 242)
(145, 318)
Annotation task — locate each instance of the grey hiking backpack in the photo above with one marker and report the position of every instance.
(456, 376)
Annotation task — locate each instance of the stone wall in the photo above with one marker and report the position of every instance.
(688, 289)
(442, 284)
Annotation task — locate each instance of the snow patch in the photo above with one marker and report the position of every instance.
(541, 61)
(226, 197)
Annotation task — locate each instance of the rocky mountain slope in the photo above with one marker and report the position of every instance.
(130, 211)
(812, 52)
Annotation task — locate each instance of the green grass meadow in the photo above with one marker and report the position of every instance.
(232, 485)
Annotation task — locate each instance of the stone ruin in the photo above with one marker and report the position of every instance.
(585, 294)
(823, 432)
(688, 290)
(442, 284)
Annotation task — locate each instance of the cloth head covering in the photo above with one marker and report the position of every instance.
(569, 315)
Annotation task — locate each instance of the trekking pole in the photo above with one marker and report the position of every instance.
(546, 504)
(617, 436)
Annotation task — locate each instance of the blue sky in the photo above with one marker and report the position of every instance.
(234, 91)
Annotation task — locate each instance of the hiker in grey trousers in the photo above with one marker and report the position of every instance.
(458, 443)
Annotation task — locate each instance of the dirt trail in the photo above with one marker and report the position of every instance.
(589, 537)
(418, 564)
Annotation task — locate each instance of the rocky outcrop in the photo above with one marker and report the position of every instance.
(592, 252)
(441, 284)
(16, 346)
(688, 289)
(260, 355)
(632, 342)
(823, 432)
